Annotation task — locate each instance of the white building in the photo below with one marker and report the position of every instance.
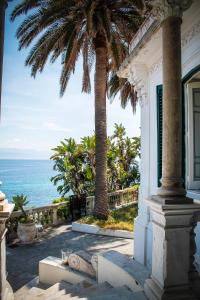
(154, 53)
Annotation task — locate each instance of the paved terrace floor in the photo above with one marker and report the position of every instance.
(23, 260)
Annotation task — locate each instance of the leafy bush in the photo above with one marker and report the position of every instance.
(75, 163)
(60, 200)
(63, 211)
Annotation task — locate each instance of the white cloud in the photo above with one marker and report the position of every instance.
(26, 108)
(16, 140)
(54, 127)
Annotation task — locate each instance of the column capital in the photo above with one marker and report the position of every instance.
(162, 9)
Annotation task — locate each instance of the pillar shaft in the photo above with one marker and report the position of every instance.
(172, 114)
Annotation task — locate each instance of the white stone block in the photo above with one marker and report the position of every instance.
(119, 270)
(51, 271)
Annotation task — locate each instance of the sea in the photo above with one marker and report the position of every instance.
(30, 178)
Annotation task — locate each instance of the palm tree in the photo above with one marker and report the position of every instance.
(125, 90)
(97, 29)
(3, 5)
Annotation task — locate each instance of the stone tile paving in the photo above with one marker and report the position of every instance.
(23, 260)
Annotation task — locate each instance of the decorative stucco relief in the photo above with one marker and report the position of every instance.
(156, 66)
(138, 78)
(190, 34)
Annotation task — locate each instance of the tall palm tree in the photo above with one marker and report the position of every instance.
(125, 90)
(3, 5)
(97, 29)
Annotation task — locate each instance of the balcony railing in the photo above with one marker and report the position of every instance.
(116, 199)
(55, 214)
(45, 215)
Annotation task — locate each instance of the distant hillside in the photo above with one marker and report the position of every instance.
(12, 153)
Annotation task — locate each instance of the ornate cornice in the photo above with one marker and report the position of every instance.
(138, 78)
(162, 9)
(148, 25)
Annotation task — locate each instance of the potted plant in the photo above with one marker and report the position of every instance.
(26, 229)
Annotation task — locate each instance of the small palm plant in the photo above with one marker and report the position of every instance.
(20, 201)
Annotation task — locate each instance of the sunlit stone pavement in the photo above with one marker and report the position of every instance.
(23, 260)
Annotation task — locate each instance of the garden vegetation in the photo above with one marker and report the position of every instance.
(75, 163)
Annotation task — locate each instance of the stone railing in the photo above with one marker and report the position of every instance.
(55, 214)
(116, 199)
(52, 214)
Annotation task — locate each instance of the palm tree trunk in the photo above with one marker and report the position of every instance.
(3, 4)
(101, 200)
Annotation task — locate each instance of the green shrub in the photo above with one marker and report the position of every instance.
(63, 211)
(121, 219)
(60, 199)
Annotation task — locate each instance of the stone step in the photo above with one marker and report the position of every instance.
(24, 290)
(99, 288)
(122, 293)
(34, 294)
(84, 285)
(119, 270)
(118, 293)
(83, 291)
(65, 288)
(59, 289)
(79, 290)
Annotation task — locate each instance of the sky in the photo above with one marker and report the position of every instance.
(34, 118)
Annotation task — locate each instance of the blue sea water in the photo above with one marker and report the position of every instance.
(28, 177)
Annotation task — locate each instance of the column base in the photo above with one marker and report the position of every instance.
(171, 191)
(154, 292)
(173, 275)
(169, 199)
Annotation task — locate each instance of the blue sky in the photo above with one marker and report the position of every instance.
(35, 118)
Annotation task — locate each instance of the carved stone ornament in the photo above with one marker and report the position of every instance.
(138, 78)
(163, 9)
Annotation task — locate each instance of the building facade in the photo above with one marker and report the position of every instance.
(160, 53)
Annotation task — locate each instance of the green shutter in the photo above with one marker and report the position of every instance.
(159, 92)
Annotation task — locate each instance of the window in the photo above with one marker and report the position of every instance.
(193, 135)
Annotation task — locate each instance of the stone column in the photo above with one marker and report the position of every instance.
(170, 12)
(171, 212)
(3, 4)
(5, 212)
(5, 208)
(172, 131)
